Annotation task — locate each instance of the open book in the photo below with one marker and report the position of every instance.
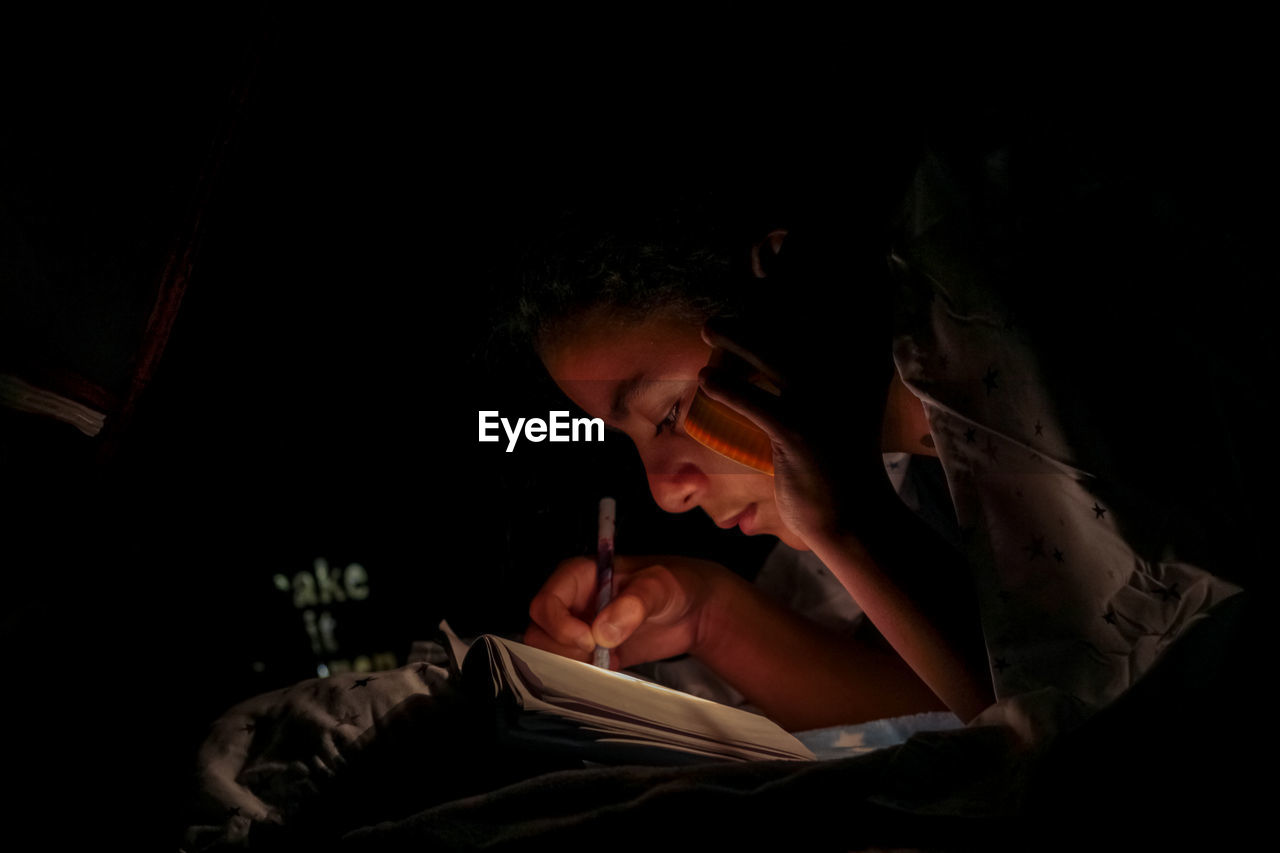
(543, 699)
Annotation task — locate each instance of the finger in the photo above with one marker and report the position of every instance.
(741, 342)
(540, 639)
(551, 616)
(765, 410)
(649, 594)
(574, 583)
(570, 588)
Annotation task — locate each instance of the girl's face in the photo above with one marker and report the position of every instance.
(640, 377)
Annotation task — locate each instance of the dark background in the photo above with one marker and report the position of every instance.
(317, 396)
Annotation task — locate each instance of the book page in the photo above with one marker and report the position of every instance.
(617, 704)
(456, 647)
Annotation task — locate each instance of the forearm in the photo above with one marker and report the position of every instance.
(915, 589)
(801, 675)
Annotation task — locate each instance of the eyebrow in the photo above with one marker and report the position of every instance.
(625, 394)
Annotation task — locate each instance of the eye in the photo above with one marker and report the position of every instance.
(670, 421)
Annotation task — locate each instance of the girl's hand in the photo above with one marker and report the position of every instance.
(827, 427)
(657, 612)
(822, 334)
(825, 436)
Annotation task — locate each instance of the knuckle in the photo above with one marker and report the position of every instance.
(570, 564)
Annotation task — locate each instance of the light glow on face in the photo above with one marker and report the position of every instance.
(641, 378)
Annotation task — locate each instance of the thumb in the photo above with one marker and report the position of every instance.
(649, 594)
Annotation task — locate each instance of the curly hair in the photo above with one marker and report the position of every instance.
(678, 259)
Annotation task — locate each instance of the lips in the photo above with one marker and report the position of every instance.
(744, 520)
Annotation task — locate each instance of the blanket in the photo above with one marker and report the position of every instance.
(417, 771)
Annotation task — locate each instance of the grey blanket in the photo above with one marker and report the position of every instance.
(1161, 768)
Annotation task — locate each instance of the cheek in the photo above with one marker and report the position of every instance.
(754, 486)
(665, 455)
(659, 457)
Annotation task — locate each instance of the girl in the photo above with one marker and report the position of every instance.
(640, 375)
(1070, 613)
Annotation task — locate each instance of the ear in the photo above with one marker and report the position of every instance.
(763, 252)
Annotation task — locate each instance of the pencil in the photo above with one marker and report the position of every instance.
(604, 567)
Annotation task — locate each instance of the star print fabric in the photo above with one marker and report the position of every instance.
(1067, 602)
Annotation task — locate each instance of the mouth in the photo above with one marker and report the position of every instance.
(743, 520)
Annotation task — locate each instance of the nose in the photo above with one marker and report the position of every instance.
(677, 486)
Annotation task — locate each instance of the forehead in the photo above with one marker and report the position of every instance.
(599, 348)
(589, 361)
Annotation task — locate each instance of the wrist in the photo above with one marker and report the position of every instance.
(864, 512)
(724, 595)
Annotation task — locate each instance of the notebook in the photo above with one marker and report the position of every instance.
(543, 700)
